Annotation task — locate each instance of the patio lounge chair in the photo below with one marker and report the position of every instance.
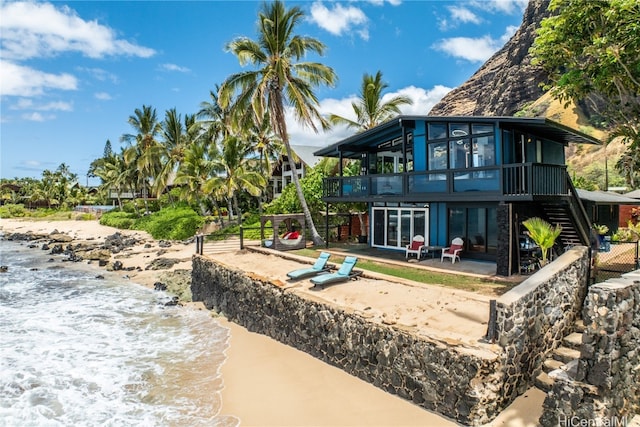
(453, 251)
(416, 247)
(342, 275)
(320, 266)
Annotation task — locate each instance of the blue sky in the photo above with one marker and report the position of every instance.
(71, 73)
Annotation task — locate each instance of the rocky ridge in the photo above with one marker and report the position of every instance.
(507, 82)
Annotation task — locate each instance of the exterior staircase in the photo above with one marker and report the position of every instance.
(561, 214)
(564, 357)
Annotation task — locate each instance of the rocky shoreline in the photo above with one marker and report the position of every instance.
(117, 253)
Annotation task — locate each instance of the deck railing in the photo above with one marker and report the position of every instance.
(522, 179)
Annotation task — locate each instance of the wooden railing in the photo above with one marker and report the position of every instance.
(513, 180)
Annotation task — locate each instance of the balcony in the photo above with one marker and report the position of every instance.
(521, 181)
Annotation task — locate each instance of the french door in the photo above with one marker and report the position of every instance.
(395, 227)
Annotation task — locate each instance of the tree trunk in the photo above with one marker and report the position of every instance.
(315, 236)
(216, 206)
(237, 209)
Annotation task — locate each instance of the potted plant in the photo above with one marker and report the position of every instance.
(602, 230)
(543, 234)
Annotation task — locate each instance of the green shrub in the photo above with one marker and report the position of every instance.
(12, 211)
(85, 216)
(172, 223)
(117, 219)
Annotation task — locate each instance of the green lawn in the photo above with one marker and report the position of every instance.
(456, 281)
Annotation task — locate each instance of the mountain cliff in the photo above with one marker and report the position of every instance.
(507, 82)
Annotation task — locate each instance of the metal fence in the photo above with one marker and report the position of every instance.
(614, 259)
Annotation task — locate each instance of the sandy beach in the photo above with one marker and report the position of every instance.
(267, 383)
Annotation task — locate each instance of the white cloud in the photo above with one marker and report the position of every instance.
(463, 15)
(467, 48)
(340, 19)
(100, 74)
(18, 80)
(508, 33)
(102, 96)
(503, 6)
(37, 117)
(174, 67)
(423, 101)
(381, 2)
(35, 30)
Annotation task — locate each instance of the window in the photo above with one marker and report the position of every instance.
(437, 156)
(394, 227)
(437, 130)
(478, 226)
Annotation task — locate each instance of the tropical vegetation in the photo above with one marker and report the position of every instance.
(590, 50)
(215, 164)
(543, 234)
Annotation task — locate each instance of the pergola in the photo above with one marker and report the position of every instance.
(278, 242)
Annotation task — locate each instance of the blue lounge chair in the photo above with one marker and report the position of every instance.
(320, 266)
(343, 274)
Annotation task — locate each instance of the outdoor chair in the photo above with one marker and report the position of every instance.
(416, 247)
(320, 266)
(345, 273)
(453, 251)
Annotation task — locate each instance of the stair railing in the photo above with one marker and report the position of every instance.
(579, 213)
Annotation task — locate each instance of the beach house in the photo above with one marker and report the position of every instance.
(476, 178)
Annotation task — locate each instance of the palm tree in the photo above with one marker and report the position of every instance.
(543, 233)
(237, 175)
(279, 78)
(114, 175)
(214, 118)
(195, 169)
(370, 111)
(176, 137)
(144, 152)
(369, 108)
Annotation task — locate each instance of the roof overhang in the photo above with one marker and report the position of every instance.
(606, 197)
(352, 146)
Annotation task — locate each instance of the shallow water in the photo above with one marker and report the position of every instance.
(77, 350)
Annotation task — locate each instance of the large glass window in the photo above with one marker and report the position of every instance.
(484, 151)
(438, 156)
(478, 226)
(437, 130)
(460, 154)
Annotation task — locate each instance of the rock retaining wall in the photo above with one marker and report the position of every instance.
(604, 386)
(457, 382)
(534, 317)
(470, 385)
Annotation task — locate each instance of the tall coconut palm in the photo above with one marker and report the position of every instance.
(237, 175)
(144, 151)
(258, 132)
(115, 175)
(195, 169)
(175, 138)
(370, 111)
(369, 108)
(280, 79)
(213, 118)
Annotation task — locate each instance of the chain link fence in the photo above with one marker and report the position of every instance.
(614, 259)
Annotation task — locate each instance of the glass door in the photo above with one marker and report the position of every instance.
(394, 228)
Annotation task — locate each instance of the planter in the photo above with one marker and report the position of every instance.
(363, 239)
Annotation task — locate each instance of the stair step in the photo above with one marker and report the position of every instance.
(543, 381)
(573, 340)
(579, 326)
(565, 354)
(551, 365)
